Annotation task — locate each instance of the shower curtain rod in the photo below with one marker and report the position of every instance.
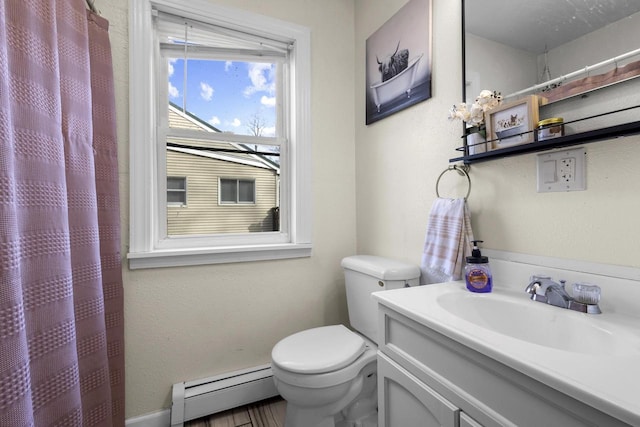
(577, 73)
(92, 6)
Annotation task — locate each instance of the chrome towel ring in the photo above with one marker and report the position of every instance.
(462, 170)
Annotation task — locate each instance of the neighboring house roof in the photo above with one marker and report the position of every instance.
(192, 118)
(188, 120)
(217, 156)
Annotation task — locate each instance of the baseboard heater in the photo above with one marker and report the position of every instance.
(199, 398)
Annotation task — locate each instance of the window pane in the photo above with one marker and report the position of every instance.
(228, 190)
(224, 96)
(246, 191)
(176, 198)
(218, 203)
(176, 191)
(233, 186)
(174, 183)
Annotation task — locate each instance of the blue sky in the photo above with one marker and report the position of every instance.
(226, 94)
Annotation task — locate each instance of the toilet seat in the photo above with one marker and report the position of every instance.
(318, 350)
(346, 362)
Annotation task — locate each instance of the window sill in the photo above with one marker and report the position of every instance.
(221, 255)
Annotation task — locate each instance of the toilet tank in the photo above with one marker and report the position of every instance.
(365, 274)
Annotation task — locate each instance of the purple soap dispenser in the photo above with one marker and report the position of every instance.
(477, 273)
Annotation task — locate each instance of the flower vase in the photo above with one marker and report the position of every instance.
(476, 140)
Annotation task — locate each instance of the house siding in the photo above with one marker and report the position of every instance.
(179, 121)
(203, 214)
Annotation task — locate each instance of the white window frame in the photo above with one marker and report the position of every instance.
(237, 202)
(175, 190)
(148, 246)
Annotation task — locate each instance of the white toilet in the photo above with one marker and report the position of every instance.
(327, 375)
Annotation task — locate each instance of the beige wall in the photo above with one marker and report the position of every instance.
(190, 323)
(399, 159)
(187, 323)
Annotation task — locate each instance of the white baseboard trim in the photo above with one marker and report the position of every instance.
(154, 419)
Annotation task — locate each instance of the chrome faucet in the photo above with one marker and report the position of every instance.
(543, 289)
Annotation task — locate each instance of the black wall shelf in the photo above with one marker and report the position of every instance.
(610, 132)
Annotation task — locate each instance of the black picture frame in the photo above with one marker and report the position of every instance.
(398, 61)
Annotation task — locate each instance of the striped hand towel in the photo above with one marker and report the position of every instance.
(448, 241)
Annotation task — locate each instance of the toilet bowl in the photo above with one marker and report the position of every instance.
(327, 375)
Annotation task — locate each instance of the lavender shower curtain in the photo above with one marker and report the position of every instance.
(61, 314)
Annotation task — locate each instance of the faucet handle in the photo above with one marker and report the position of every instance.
(586, 293)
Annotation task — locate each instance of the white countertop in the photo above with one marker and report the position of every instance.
(608, 380)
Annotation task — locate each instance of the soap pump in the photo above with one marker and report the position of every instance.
(477, 273)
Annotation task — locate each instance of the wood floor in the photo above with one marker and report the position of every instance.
(266, 413)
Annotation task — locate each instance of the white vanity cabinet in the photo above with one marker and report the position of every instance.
(408, 402)
(428, 379)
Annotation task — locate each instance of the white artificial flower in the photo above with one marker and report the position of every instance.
(485, 94)
(489, 100)
(475, 113)
(459, 111)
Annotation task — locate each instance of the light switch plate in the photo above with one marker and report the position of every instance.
(562, 170)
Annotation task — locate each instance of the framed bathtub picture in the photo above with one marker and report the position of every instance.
(513, 123)
(398, 61)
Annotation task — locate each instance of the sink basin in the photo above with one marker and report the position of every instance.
(541, 324)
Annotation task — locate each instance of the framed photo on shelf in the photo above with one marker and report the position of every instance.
(513, 123)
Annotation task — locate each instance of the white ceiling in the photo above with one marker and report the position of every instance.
(536, 25)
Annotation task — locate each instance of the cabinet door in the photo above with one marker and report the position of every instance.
(405, 401)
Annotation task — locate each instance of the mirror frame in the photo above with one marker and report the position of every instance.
(464, 74)
(464, 54)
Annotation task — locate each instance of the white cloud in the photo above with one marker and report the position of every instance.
(269, 101)
(206, 91)
(173, 91)
(214, 121)
(269, 131)
(235, 123)
(227, 65)
(171, 70)
(261, 76)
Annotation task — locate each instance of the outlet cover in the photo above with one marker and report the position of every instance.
(562, 170)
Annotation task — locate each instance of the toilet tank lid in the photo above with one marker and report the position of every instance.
(381, 268)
